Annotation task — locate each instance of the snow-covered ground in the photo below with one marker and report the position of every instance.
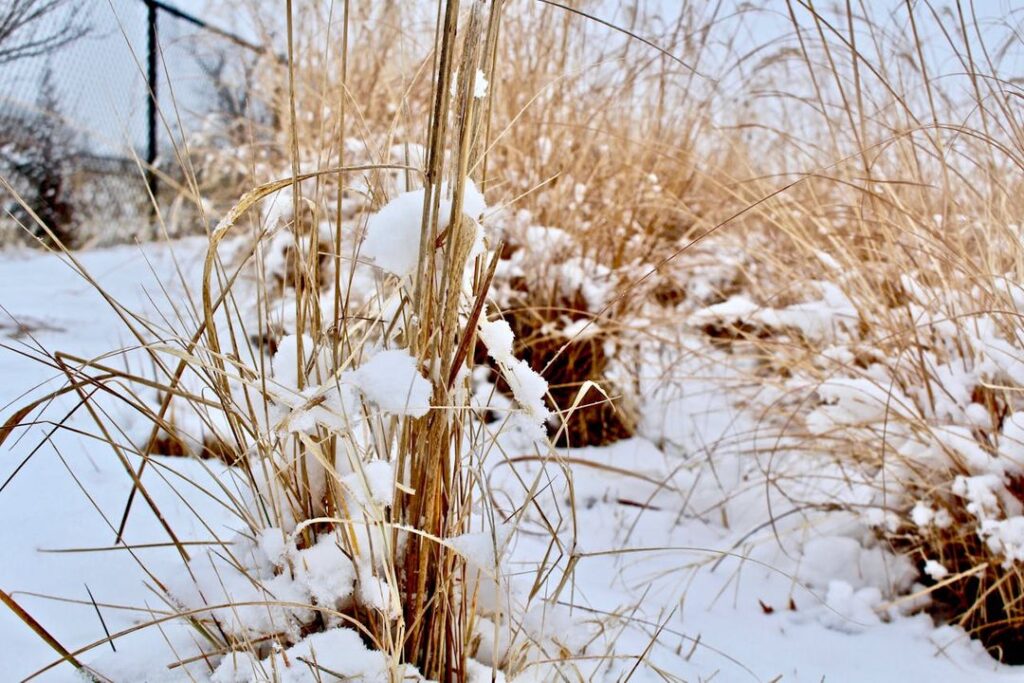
(675, 534)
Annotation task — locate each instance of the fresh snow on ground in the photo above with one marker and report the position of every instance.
(723, 591)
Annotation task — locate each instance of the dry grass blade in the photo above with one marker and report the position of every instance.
(45, 635)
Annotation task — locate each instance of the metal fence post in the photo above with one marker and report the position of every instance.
(105, 179)
(152, 77)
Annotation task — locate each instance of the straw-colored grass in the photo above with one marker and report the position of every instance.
(847, 159)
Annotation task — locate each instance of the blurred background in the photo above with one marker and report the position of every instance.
(94, 94)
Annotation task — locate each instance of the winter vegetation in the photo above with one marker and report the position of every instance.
(528, 341)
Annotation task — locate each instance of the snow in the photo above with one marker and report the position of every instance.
(1011, 442)
(325, 571)
(391, 379)
(922, 514)
(829, 559)
(528, 387)
(337, 653)
(375, 593)
(482, 549)
(373, 483)
(286, 362)
(981, 493)
(393, 234)
(935, 570)
(1005, 537)
(856, 401)
(734, 309)
(687, 501)
(480, 85)
(821, 319)
(497, 336)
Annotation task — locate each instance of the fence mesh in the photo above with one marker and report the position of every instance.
(75, 124)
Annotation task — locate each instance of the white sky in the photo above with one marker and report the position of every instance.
(100, 78)
(102, 88)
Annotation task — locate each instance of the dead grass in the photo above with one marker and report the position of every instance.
(845, 152)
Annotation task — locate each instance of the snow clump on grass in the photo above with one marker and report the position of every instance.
(393, 234)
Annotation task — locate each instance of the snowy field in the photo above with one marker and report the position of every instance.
(712, 588)
(519, 347)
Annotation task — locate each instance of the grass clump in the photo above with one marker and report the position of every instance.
(336, 385)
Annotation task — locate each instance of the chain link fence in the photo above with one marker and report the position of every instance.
(89, 129)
